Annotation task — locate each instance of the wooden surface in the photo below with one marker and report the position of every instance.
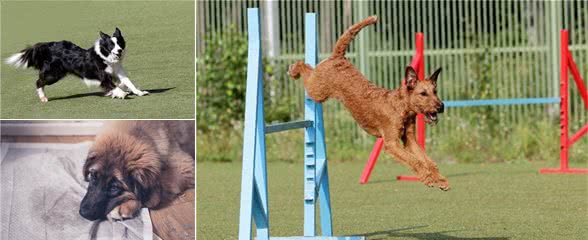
(47, 139)
(176, 222)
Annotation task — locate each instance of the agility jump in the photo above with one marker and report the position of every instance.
(566, 62)
(254, 194)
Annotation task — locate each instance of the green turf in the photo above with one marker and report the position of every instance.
(488, 201)
(159, 58)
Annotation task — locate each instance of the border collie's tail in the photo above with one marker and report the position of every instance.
(349, 34)
(28, 57)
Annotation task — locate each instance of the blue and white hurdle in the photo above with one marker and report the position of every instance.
(254, 193)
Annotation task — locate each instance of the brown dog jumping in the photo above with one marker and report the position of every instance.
(389, 114)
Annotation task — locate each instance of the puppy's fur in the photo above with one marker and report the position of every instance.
(385, 113)
(135, 164)
(96, 65)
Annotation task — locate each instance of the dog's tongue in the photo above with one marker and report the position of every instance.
(431, 117)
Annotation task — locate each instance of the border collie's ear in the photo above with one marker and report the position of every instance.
(117, 33)
(104, 35)
(410, 77)
(434, 76)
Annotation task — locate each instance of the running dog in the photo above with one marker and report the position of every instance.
(96, 65)
(389, 114)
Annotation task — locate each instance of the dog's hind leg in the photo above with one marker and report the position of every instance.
(432, 177)
(40, 91)
(315, 88)
(49, 74)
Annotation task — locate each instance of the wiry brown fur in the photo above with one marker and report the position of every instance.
(390, 114)
(153, 162)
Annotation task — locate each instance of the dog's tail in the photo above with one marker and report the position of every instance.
(347, 37)
(299, 69)
(28, 57)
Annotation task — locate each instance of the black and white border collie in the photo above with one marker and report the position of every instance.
(95, 66)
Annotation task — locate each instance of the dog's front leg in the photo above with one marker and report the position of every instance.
(432, 176)
(126, 82)
(125, 210)
(393, 147)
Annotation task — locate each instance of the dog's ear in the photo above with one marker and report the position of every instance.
(410, 77)
(145, 172)
(117, 33)
(434, 76)
(104, 35)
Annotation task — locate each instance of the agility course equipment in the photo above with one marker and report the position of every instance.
(254, 193)
(567, 62)
(418, 63)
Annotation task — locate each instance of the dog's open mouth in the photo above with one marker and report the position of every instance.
(431, 118)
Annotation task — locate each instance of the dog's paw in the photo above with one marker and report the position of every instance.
(114, 215)
(435, 180)
(125, 210)
(141, 93)
(44, 99)
(117, 93)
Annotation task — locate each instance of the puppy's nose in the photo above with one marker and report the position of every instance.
(87, 214)
(441, 108)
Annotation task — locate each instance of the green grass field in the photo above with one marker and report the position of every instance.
(159, 58)
(488, 201)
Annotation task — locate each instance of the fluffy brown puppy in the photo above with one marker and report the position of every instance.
(390, 114)
(135, 164)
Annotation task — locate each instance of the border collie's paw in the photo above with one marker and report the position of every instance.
(117, 93)
(141, 93)
(44, 99)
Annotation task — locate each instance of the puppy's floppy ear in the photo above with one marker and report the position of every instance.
(145, 172)
(117, 33)
(410, 77)
(434, 76)
(104, 35)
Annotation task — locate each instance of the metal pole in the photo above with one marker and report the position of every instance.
(420, 48)
(563, 91)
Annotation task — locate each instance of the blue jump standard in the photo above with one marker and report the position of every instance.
(254, 194)
(497, 102)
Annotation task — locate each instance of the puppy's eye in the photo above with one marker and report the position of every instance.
(435, 92)
(114, 190)
(91, 177)
(423, 94)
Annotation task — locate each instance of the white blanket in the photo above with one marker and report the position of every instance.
(40, 194)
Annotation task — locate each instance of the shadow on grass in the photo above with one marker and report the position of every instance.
(100, 94)
(397, 233)
(393, 179)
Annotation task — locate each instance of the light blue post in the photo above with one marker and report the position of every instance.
(254, 195)
(310, 181)
(254, 174)
(315, 162)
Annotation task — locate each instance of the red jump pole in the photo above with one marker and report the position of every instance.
(567, 62)
(418, 63)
